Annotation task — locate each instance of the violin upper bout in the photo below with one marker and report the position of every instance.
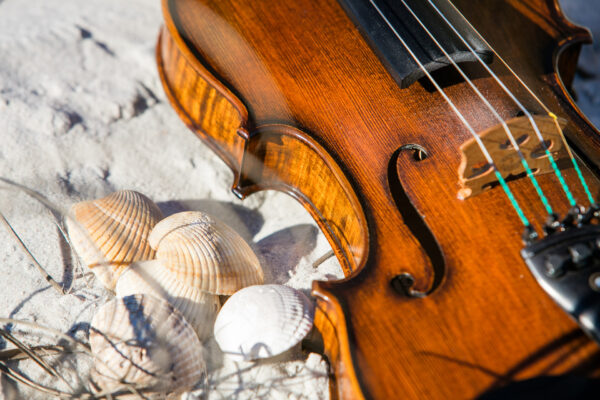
(571, 37)
(549, 16)
(206, 106)
(569, 30)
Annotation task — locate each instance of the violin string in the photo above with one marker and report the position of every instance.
(486, 154)
(537, 99)
(511, 137)
(517, 102)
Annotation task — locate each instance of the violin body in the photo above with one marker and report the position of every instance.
(293, 98)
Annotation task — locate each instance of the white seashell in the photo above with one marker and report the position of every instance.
(143, 341)
(263, 321)
(151, 277)
(112, 232)
(205, 253)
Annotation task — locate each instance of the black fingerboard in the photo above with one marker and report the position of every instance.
(393, 53)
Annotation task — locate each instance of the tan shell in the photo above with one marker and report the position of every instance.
(205, 253)
(112, 232)
(263, 321)
(143, 341)
(151, 277)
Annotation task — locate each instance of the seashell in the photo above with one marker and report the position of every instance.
(263, 321)
(143, 341)
(205, 253)
(112, 232)
(151, 277)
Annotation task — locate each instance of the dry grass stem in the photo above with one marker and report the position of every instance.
(36, 354)
(59, 215)
(47, 350)
(323, 258)
(55, 210)
(22, 379)
(33, 356)
(42, 271)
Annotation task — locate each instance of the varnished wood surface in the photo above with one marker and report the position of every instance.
(290, 95)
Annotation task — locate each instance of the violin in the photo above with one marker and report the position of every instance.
(436, 145)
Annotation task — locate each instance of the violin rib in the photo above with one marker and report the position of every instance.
(292, 98)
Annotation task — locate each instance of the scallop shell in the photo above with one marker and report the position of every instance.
(143, 341)
(151, 277)
(112, 232)
(263, 321)
(205, 253)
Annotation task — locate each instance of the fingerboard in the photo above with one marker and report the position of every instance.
(367, 16)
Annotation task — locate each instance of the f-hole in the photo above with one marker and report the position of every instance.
(403, 282)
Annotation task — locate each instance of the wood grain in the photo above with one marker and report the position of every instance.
(291, 96)
(475, 174)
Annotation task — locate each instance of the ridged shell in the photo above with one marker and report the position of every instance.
(151, 277)
(263, 321)
(205, 253)
(143, 341)
(112, 232)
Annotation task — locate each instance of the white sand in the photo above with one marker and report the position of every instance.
(82, 114)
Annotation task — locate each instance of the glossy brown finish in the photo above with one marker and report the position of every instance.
(292, 98)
